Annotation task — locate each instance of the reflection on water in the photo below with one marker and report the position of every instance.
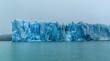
(55, 51)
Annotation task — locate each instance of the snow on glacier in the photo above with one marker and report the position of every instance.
(39, 31)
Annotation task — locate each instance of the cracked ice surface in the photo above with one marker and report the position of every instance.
(37, 31)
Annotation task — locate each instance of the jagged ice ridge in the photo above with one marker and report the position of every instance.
(28, 31)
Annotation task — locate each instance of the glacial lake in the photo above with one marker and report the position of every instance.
(55, 51)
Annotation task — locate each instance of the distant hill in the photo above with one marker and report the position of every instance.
(6, 37)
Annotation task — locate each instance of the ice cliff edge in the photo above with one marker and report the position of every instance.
(39, 31)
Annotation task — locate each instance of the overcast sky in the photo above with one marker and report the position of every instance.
(63, 11)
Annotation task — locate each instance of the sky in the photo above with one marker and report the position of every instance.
(63, 11)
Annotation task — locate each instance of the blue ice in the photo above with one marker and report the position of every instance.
(27, 31)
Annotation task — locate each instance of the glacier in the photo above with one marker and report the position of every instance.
(29, 31)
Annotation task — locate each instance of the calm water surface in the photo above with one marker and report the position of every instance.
(55, 51)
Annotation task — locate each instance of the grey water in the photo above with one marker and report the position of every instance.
(55, 51)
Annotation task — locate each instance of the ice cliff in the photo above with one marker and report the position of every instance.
(39, 31)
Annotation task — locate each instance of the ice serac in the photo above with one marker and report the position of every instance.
(27, 31)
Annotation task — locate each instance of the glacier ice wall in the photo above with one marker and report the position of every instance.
(36, 31)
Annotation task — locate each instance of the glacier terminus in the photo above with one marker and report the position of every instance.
(28, 31)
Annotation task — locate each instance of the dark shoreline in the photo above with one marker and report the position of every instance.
(7, 37)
